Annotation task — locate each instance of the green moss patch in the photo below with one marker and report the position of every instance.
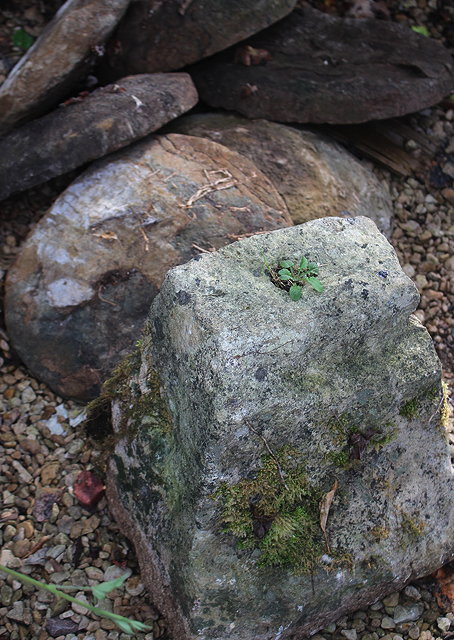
(410, 409)
(277, 512)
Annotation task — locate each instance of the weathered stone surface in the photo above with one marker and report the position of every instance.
(106, 120)
(82, 285)
(164, 36)
(347, 379)
(320, 68)
(315, 176)
(55, 62)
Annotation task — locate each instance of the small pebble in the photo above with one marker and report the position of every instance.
(391, 600)
(407, 613)
(443, 624)
(387, 623)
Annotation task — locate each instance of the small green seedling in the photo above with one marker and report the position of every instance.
(99, 591)
(22, 39)
(424, 31)
(294, 276)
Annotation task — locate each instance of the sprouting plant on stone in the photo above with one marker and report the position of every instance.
(99, 591)
(293, 275)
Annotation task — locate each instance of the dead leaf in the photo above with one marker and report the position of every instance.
(88, 489)
(248, 56)
(325, 506)
(445, 587)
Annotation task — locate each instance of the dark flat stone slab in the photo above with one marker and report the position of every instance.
(164, 36)
(320, 68)
(58, 59)
(108, 119)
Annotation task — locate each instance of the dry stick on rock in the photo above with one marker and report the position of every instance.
(226, 182)
(279, 468)
(325, 506)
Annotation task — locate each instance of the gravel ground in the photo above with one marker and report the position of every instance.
(46, 533)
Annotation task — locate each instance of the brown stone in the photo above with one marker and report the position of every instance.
(108, 119)
(327, 69)
(80, 290)
(27, 527)
(30, 445)
(49, 472)
(57, 60)
(315, 175)
(21, 548)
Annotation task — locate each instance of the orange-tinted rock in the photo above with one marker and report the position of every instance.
(81, 288)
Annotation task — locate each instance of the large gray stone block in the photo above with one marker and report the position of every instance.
(243, 409)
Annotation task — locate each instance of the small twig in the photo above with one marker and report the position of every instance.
(201, 249)
(139, 104)
(239, 236)
(171, 175)
(226, 182)
(279, 468)
(145, 238)
(37, 546)
(264, 353)
(114, 304)
(440, 404)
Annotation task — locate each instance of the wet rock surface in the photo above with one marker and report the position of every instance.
(344, 382)
(56, 61)
(106, 120)
(164, 36)
(315, 176)
(82, 285)
(312, 67)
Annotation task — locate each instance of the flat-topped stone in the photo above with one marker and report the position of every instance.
(165, 36)
(106, 120)
(270, 467)
(55, 63)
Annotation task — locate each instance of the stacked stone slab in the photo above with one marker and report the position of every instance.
(232, 380)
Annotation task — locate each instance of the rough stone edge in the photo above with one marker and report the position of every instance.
(161, 593)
